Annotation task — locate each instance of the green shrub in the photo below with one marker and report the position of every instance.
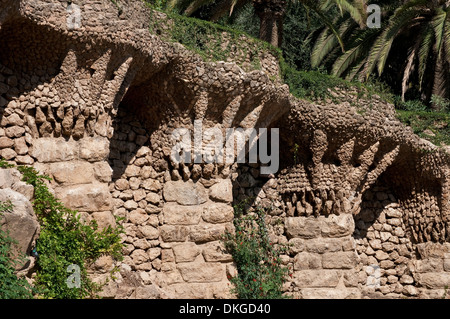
(157, 4)
(66, 240)
(440, 104)
(260, 274)
(243, 19)
(311, 85)
(433, 126)
(297, 27)
(411, 105)
(11, 287)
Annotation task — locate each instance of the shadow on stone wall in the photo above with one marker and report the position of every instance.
(28, 63)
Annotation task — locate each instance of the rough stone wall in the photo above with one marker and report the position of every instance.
(94, 108)
(383, 241)
(431, 269)
(173, 220)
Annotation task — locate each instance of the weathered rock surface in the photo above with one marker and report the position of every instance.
(20, 222)
(185, 193)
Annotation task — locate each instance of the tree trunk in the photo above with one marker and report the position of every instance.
(271, 14)
(270, 29)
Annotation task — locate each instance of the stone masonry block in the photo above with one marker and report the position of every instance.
(86, 197)
(339, 260)
(302, 227)
(181, 215)
(171, 233)
(306, 260)
(215, 251)
(326, 293)
(337, 225)
(94, 149)
(222, 191)
(316, 278)
(47, 150)
(202, 271)
(206, 232)
(185, 252)
(185, 193)
(76, 172)
(433, 280)
(218, 213)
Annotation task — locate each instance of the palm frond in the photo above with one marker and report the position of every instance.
(438, 24)
(356, 10)
(171, 4)
(383, 44)
(424, 52)
(346, 60)
(355, 69)
(225, 7)
(365, 40)
(327, 40)
(412, 4)
(324, 42)
(233, 3)
(447, 36)
(327, 21)
(324, 5)
(360, 44)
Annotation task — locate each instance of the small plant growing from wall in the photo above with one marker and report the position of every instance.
(260, 274)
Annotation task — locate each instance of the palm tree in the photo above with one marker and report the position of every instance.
(418, 30)
(271, 13)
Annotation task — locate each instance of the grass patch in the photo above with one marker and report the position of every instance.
(310, 85)
(432, 126)
(213, 42)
